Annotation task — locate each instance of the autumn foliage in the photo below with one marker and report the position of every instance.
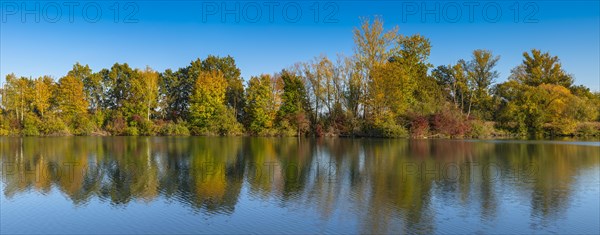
(387, 88)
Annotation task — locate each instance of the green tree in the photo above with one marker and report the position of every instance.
(207, 99)
(536, 107)
(294, 102)
(481, 75)
(390, 89)
(452, 79)
(537, 99)
(145, 91)
(117, 82)
(539, 68)
(235, 88)
(412, 55)
(92, 84)
(260, 104)
(176, 89)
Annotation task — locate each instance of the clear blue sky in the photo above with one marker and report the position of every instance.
(163, 34)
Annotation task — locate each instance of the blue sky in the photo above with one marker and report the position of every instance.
(163, 34)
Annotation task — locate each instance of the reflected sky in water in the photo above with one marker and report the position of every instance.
(268, 185)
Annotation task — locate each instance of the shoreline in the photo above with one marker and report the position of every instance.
(432, 137)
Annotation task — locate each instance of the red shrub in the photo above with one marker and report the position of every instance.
(319, 130)
(117, 125)
(450, 123)
(137, 118)
(419, 126)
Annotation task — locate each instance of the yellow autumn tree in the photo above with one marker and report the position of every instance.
(72, 104)
(208, 111)
(43, 93)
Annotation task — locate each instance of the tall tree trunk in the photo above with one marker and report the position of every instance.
(22, 105)
(470, 104)
(148, 110)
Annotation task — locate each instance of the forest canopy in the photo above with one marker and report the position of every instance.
(387, 88)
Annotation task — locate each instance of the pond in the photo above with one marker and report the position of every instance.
(290, 185)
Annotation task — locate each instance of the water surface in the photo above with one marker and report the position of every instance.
(267, 185)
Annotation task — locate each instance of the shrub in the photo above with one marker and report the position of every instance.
(54, 126)
(267, 132)
(562, 127)
(588, 129)
(451, 123)
(83, 126)
(98, 118)
(337, 120)
(117, 125)
(4, 124)
(173, 129)
(132, 131)
(394, 130)
(226, 123)
(30, 126)
(319, 130)
(285, 129)
(201, 131)
(147, 128)
(481, 129)
(293, 124)
(419, 127)
(389, 128)
(221, 122)
(181, 129)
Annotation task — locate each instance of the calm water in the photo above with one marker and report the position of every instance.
(263, 185)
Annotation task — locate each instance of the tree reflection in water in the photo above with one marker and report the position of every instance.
(390, 185)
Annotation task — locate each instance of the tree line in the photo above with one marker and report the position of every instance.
(387, 88)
